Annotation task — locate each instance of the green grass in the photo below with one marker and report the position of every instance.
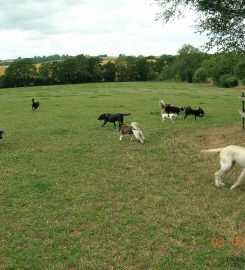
(74, 197)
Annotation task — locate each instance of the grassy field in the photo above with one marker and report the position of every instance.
(74, 197)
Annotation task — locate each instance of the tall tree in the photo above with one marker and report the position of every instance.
(187, 61)
(223, 21)
(21, 73)
(109, 71)
(142, 68)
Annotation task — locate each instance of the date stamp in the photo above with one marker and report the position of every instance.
(236, 242)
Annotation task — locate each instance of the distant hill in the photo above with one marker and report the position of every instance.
(38, 59)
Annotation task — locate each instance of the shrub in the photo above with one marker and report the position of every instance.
(240, 70)
(167, 73)
(200, 75)
(220, 64)
(228, 81)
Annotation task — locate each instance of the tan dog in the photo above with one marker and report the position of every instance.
(228, 157)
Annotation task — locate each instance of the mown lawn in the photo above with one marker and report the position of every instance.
(74, 197)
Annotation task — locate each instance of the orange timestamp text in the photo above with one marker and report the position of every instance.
(237, 242)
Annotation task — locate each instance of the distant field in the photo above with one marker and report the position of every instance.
(74, 197)
(2, 70)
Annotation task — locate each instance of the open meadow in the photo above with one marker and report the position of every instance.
(75, 197)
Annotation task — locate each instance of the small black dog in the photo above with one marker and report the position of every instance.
(112, 118)
(35, 105)
(197, 112)
(1, 134)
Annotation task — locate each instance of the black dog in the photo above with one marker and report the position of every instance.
(35, 105)
(1, 134)
(112, 118)
(197, 112)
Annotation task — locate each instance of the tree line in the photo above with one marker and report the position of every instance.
(189, 65)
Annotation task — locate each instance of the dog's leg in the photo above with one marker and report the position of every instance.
(104, 123)
(218, 178)
(142, 137)
(225, 166)
(120, 138)
(239, 180)
(172, 120)
(132, 137)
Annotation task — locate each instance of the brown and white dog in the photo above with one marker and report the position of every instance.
(133, 130)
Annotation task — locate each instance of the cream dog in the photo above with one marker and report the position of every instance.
(228, 157)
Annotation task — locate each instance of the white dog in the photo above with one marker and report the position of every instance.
(228, 157)
(138, 134)
(170, 116)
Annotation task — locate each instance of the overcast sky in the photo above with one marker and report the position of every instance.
(44, 27)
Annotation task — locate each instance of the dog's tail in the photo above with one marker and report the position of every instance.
(216, 150)
(135, 125)
(125, 114)
(137, 132)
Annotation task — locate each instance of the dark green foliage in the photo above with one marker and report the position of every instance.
(200, 75)
(240, 70)
(187, 61)
(129, 68)
(167, 73)
(109, 72)
(20, 73)
(142, 68)
(122, 71)
(228, 81)
(189, 65)
(162, 61)
(220, 64)
(49, 73)
(223, 21)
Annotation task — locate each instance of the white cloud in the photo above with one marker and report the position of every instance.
(33, 27)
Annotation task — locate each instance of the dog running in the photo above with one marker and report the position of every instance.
(133, 130)
(35, 105)
(112, 118)
(228, 157)
(197, 112)
(170, 108)
(170, 116)
(1, 134)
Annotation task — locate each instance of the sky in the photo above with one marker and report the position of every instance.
(31, 28)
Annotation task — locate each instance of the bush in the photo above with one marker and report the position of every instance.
(200, 75)
(228, 81)
(243, 82)
(240, 70)
(166, 74)
(220, 64)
